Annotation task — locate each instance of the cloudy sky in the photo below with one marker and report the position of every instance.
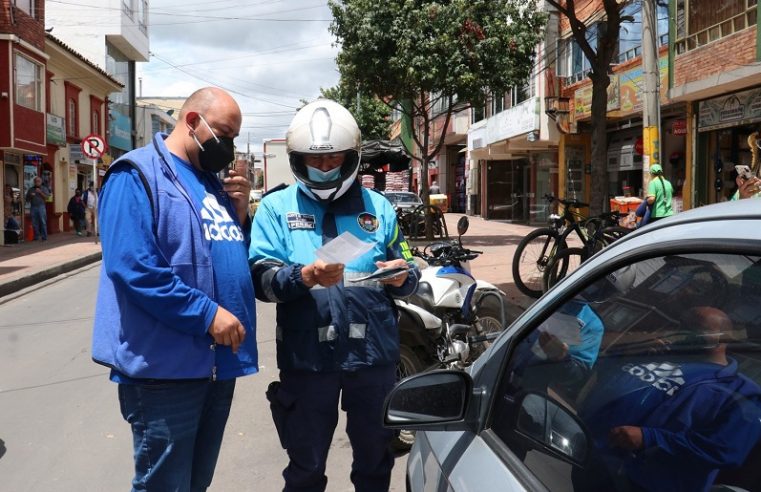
(269, 54)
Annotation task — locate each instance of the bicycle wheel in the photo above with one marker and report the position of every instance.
(531, 257)
(561, 265)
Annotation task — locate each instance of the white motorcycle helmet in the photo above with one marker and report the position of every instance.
(324, 127)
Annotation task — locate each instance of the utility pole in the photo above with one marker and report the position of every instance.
(651, 108)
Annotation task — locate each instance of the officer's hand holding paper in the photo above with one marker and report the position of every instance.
(328, 269)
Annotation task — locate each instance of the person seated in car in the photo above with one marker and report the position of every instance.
(671, 421)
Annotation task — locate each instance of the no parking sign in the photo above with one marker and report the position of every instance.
(93, 146)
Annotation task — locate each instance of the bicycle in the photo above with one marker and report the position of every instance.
(539, 247)
(567, 260)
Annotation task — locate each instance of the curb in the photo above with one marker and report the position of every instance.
(18, 284)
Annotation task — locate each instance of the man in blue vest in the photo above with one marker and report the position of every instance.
(175, 315)
(337, 337)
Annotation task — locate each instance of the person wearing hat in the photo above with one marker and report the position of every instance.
(659, 193)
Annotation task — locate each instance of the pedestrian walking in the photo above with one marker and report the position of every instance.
(76, 209)
(337, 340)
(90, 197)
(175, 315)
(659, 193)
(37, 196)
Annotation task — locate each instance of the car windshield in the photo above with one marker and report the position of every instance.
(398, 198)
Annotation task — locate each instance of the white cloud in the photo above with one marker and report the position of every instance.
(268, 53)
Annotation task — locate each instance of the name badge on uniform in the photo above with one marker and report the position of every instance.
(300, 221)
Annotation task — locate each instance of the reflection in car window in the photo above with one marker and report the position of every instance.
(660, 364)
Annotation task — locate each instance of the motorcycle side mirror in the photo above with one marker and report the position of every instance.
(462, 225)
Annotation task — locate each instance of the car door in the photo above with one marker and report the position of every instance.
(643, 377)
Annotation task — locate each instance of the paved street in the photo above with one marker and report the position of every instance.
(59, 416)
(60, 427)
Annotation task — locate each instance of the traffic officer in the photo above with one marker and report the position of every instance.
(335, 337)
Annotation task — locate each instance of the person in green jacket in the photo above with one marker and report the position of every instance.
(659, 193)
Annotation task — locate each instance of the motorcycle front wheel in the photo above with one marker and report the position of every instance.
(490, 321)
(409, 364)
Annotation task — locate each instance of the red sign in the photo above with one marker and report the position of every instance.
(93, 146)
(679, 127)
(638, 146)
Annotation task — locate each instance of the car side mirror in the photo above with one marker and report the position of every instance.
(462, 225)
(427, 399)
(552, 426)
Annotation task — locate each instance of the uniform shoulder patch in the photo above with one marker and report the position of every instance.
(367, 221)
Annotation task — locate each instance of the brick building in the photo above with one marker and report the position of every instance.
(23, 59)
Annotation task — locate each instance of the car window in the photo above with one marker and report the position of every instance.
(648, 379)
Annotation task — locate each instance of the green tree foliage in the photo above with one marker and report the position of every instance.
(446, 54)
(372, 115)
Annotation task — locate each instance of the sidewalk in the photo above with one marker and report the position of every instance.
(26, 264)
(29, 263)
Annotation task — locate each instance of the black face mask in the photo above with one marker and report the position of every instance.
(216, 153)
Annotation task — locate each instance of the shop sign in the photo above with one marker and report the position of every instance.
(75, 153)
(735, 109)
(583, 98)
(679, 127)
(624, 92)
(121, 131)
(517, 120)
(56, 130)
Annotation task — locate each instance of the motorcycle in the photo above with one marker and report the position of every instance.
(452, 318)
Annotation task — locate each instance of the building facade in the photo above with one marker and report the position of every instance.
(23, 151)
(76, 107)
(115, 39)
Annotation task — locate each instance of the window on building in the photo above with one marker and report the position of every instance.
(142, 15)
(700, 22)
(95, 125)
(72, 128)
(497, 103)
(521, 93)
(477, 113)
(28, 83)
(128, 7)
(26, 6)
(572, 63)
(630, 35)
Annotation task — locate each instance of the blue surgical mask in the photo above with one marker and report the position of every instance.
(318, 176)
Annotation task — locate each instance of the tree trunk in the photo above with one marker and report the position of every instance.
(599, 193)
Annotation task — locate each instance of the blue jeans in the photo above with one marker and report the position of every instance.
(40, 222)
(177, 430)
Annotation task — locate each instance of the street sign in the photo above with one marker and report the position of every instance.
(93, 146)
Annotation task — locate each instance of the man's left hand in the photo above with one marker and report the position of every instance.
(238, 188)
(398, 280)
(626, 437)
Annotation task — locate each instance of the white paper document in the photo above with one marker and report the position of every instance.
(343, 249)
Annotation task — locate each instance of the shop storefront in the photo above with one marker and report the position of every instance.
(727, 127)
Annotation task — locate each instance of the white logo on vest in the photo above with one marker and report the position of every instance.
(217, 223)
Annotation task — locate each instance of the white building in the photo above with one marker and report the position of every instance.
(151, 118)
(113, 34)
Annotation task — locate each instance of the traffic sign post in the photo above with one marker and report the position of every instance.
(93, 146)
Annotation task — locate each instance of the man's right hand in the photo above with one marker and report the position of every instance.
(226, 329)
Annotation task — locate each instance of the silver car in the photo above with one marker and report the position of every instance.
(640, 371)
(404, 200)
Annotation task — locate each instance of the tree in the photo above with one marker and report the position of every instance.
(600, 58)
(372, 115)
(427, 54)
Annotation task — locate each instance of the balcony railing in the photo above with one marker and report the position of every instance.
(717, 31)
